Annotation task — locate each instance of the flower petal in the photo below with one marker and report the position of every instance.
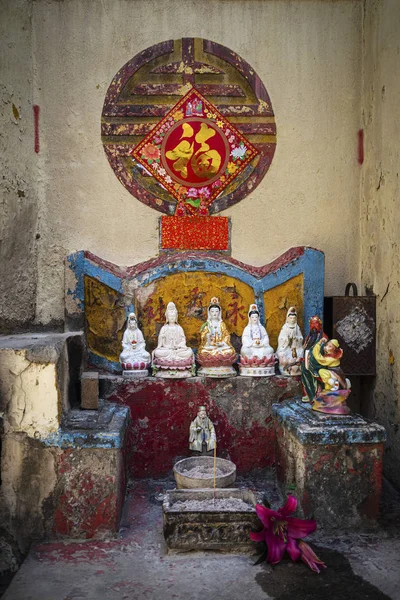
(257, 536)
(276, 548)
(293, 550)
(265, 514)
(299, 528)
(310, 558)
(289, 506)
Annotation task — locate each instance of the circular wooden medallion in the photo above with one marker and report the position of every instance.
(145, 90)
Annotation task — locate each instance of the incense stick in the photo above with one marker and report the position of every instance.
(215, 467)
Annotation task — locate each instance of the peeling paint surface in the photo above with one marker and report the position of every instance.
(333, 466)
(240, 409)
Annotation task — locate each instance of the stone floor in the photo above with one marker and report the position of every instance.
(136, 565)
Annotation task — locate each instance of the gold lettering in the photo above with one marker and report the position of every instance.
(204, 162)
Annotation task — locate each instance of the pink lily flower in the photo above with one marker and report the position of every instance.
(284, 533)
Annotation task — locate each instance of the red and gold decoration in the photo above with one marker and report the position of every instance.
(195, 153)
(195, 233)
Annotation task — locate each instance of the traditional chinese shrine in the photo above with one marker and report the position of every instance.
(189, 211)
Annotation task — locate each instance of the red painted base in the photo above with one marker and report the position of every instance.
(91, 486)
(162, 410)
(338, 485)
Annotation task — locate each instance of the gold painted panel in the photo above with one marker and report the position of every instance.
(192, 293)
(278, 300)
(105, 317)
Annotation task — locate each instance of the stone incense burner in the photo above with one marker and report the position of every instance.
(198, 472)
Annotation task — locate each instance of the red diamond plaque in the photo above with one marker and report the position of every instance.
(194, 152)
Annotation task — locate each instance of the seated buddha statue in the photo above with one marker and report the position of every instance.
(216, 354)
(134, 357)
(256, 355)
(172, 358)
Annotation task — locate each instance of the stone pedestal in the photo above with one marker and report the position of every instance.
(332, 464)
(90, 472)
(226, 529)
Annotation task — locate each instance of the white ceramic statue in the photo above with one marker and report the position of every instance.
(290, 345)
(172, 358)
(257, 357)
(134, 357)
(216, 354)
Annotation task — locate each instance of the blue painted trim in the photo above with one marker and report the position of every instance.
(310, 264)
(92, 438)
(77, 265)
(109, 279)
(79, 439)
(103, 363)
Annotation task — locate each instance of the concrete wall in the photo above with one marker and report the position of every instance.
(308, 55)
(19, 180)
(380, 254)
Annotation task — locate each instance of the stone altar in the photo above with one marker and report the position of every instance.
(331, 463)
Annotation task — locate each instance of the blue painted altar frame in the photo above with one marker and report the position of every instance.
(303, 260)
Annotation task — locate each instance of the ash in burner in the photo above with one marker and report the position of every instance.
(226, 504)
(202, 472)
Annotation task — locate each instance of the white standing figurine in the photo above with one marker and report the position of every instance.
(290, 345)
(172, 358)
(257, 357)
(134, 357)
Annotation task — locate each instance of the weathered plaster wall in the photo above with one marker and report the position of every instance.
(380, 212)
(308, 54)
(18, 181)
(36, 381)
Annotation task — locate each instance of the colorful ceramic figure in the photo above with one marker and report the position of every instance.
(216, 355)
(202, 437)
(290, 345)
(256, 356)
(316, 333)
(172, 358)
(332, 387)
(134, 358)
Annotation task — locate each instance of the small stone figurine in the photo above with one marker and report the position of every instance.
(290, 345)
(134, 358)
(330, 388)
(216, 355)
(172, 358)
(257, 357)
(202, 437)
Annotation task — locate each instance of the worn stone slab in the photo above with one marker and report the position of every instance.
(312, 427)
(103, 428)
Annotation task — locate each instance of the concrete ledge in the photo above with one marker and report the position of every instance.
(38, 377)
(103, 428)
(312, 427)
